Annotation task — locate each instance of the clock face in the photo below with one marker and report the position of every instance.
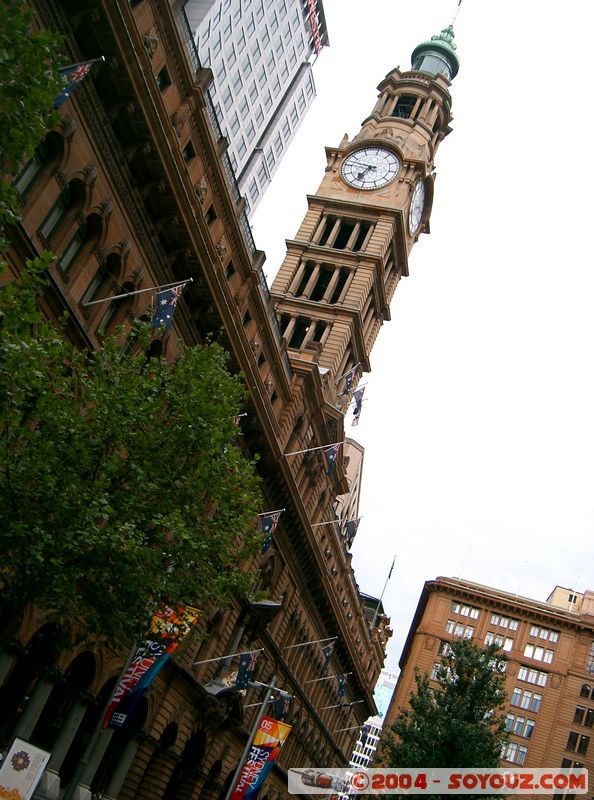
(417, 205)
(370, 167)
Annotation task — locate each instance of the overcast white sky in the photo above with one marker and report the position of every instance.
(478, 425)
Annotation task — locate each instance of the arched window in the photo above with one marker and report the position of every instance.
(47, 152)
(87, 231)
(70, 199)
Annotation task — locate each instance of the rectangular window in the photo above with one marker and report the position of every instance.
(253, 91)
(262, 76)
(234, 123)
(256, 52)
(250, 130)
(267, 98)
(286, 130)
(474, 613)
(241, 147)
(163, 79)
(188, 153)
(262, 173)
(237, 83)
(227, 98)
(494, 619)
(250, 25)
(246, 67)
(274, 22)
(53, 219)
(579, 714)
(583, 743)
(508, 644)
(265, 38)
(278, 148)
(241, 41)
(513, 624)
(231, 55)
(504, 622)
(522, 753)
(455, 608)
(294, 116)
(259, 115)
(516, 697)
(244, 107)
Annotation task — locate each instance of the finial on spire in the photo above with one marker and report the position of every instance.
(455, 13)
(438, 55)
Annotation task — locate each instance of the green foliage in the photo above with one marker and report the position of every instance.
(121, 485)
(29, 83)
(462, 724)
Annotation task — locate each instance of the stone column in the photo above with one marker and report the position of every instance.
(294, 284)
(311, 282)
(123, 767)
(331, 285)
(49, 786)
(82, 789)
(35, 705)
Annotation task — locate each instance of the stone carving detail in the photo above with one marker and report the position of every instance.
(90, 173)
(221, 250)
(430, 644)
(555, 681)
(106, 208)
(178, 123)
(151, 41)
(201, 190)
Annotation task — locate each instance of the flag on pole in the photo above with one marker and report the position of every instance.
(358, 397)
(327, 651)
(74, 74)
(342, 685)
(348, 381)
(331, 455)
(247, 667)
(281, 708)
(268, 524)
(351, 530)
(166, 303)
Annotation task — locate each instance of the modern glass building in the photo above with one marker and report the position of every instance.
(261, 54)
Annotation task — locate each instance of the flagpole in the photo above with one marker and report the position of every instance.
(314, 641)
(339, 730)
(251, 737)
(344, 374)
(231, 655)
(139, 291)
(327, 678)
(266, 513)
(379, 602)
(342, 705)
(311, 449)
(331, 521)
(101, 59)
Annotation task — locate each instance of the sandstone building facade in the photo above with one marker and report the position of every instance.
(134, 188)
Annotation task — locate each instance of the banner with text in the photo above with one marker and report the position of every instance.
(268, 742)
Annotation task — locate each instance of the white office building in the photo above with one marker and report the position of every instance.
(261, 54)
(370, 733)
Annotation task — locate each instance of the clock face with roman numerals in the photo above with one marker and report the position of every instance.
(370, 168)
(417, 206)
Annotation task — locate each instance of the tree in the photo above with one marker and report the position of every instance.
(120, 483)
(459, 725)
(29, 85)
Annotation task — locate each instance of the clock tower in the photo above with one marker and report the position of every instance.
(335, 285)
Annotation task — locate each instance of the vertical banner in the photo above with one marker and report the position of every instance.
(21, 770)
(268, 742)
(167, 629)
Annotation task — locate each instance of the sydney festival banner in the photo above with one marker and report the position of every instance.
(21, 770)
(268, 742)
(168, 627)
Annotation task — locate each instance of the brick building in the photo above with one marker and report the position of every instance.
(550, 673)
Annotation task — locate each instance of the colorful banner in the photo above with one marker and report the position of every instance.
(268, 742)
(21, 770)
(168, 627)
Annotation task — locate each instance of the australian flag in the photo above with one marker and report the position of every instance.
(358, 397)
(348, 381)
(166, 303)
(331, 455)
(281, 708)
(74, 74)
(268, 524)
(342, 686)
(351, 530)
(247, 667)
(327, 651)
